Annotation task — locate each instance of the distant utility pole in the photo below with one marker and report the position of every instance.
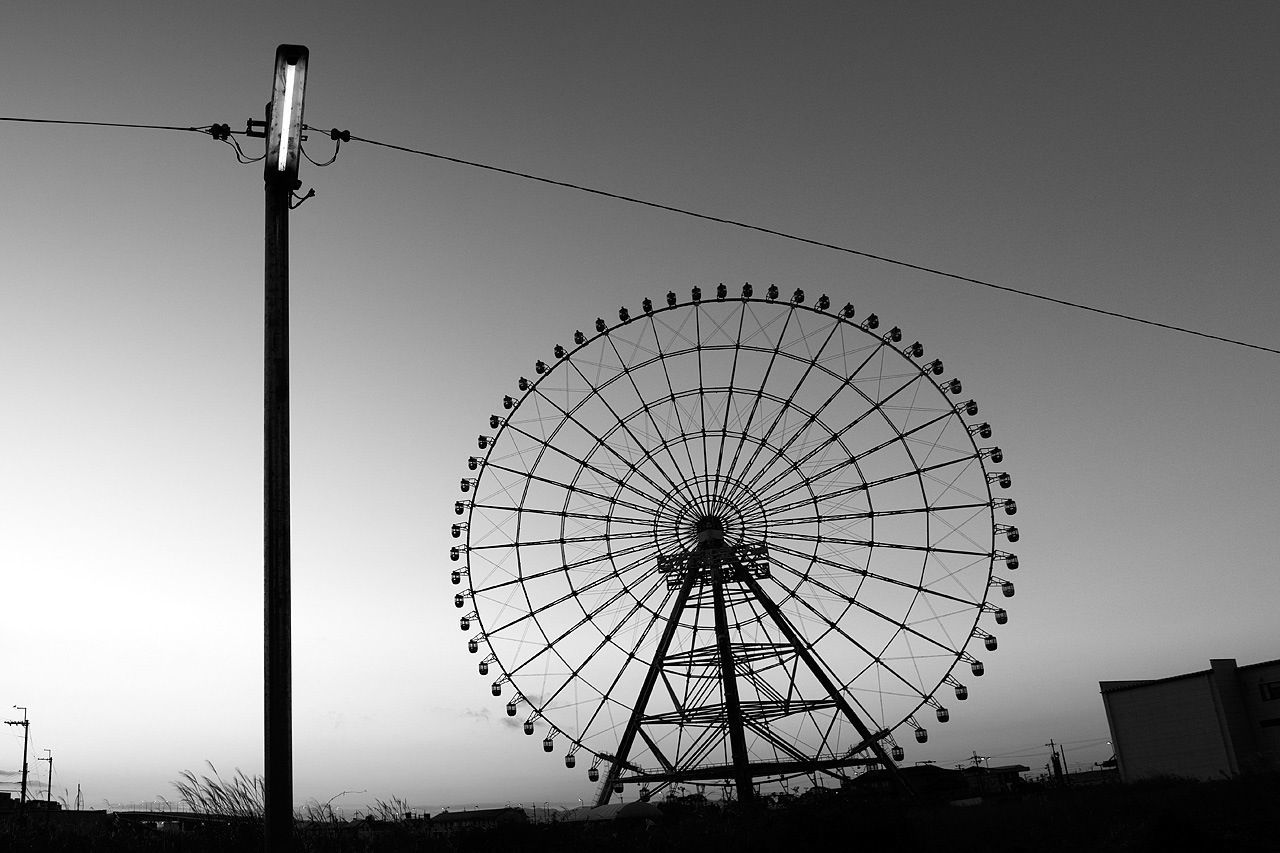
(1058, 763)
(284, 144)
(26, 731)
(48, 794)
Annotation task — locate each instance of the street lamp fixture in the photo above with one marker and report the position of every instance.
(284, 118)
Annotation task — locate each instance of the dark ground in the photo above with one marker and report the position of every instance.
(1171, 815)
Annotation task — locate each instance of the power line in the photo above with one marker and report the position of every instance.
(204, 129)
(812, 242)
(684, 212)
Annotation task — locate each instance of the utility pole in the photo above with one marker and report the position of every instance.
(48, 794)
(26, 731)
(1056, 762)
(280, 172)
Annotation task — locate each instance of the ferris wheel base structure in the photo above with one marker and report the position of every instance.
(756, 771)
(724, 571)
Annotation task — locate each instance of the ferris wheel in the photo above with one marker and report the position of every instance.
(732, 540)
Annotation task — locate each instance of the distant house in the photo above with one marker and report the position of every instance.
(79, 821)
(1211, 724)
(634, 810)
(33, 804)
(1106, 774)
(451, 823)
(995, 780)
(927, 781)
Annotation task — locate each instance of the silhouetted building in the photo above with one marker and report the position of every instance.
(1102, 776)
(995, 780)
(926, 781)
(634, 810)
(448, 823)
(1220, 722)
(12, 802)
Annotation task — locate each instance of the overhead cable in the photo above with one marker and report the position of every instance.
(812, 242)
(221, 132)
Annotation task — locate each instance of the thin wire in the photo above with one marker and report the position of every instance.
(204, 129)
(240, 155)
(704, 216)
(336, 148)
(833, 246)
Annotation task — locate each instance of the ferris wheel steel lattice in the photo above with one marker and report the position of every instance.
(732, 540)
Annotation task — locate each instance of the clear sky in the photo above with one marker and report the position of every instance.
(1121, 155)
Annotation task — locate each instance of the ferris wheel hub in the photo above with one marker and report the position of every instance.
(710, 529)
(731, 562)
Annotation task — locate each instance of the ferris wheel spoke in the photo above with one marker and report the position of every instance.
(581, 516)
(536, 478)
(819, 667)
(942, 516)
(609, 447)
(673, 396)
(549, 647)
(910, 630)
(841, 383)
(938, 620)
(877, 406)
(782, 411)
(876, 659)
(525, 578)
(899, 623)
(606, 637)
(569, 596)
(702, 397)
(949, 486)
(646, 548)
(651, 675)
(647, 453)
(520, 580)
(872, 543)
(567, 540)
(855, 458)
(728, 400)
(831, 518)
(862, 487)
(755, 405)
(646, 406)
(871, 575)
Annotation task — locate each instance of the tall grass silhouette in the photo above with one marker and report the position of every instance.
(241, 796)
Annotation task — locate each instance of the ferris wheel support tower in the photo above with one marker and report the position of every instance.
(720, 565)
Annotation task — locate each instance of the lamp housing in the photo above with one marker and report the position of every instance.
(284, 114)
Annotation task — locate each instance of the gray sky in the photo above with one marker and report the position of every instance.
(1120, 155)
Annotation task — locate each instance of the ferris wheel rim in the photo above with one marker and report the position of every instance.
(531, 388)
